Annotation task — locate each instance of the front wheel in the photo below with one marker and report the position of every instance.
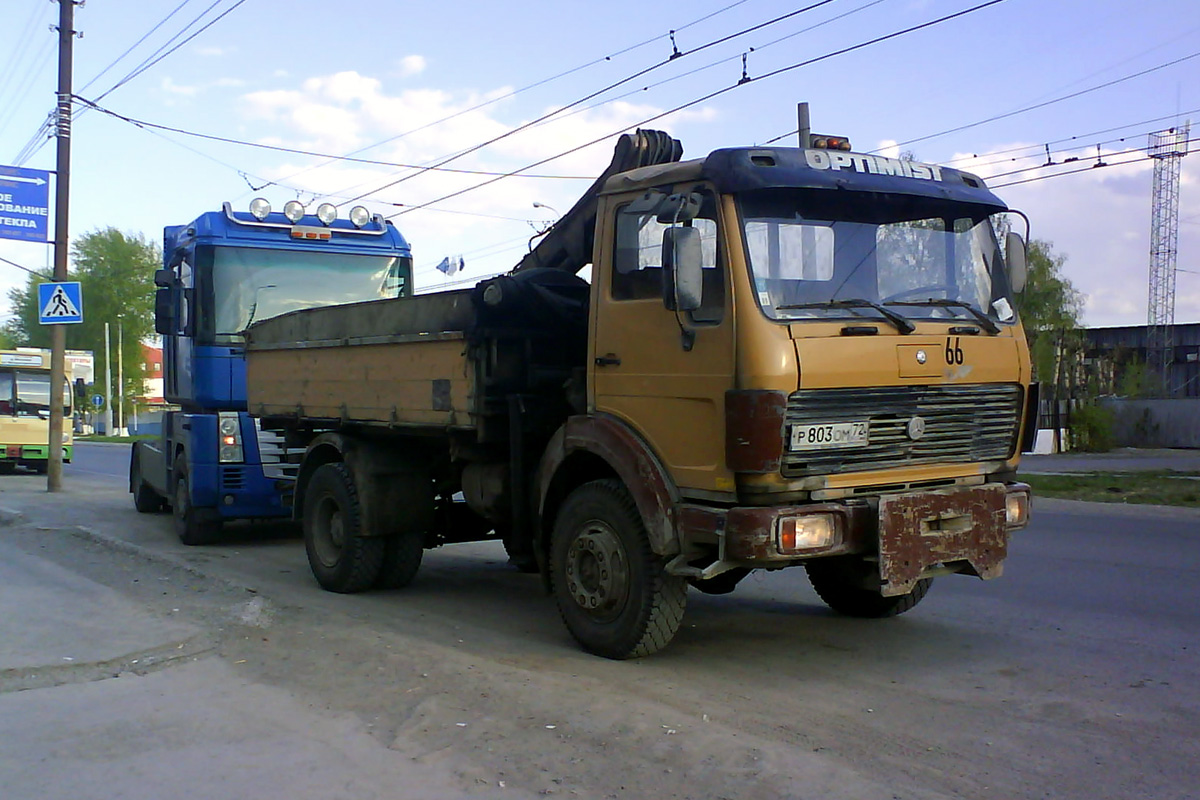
(841, 582)
(145, 499)
(193, 525)
(342, 558)
(613, 592)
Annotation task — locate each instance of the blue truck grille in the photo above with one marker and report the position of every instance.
(962, 424)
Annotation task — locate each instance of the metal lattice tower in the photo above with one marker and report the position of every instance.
(1167, 148)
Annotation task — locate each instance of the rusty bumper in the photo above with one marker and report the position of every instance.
(960, 529)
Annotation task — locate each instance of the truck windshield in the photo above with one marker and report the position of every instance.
(253, 284)
(818, 254)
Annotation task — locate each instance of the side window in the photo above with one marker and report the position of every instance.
(637, 260)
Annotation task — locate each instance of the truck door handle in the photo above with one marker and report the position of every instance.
(610, 360)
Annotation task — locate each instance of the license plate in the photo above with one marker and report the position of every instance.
(837, 434)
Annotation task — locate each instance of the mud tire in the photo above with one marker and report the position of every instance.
(613, 592)
(838, 581)
(191, 524)
(342, 559)
(402, 556)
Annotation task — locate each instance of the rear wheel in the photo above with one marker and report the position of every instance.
(195, 526)
(342, 558)
(402, 556)
(613, 592)
(841, 582)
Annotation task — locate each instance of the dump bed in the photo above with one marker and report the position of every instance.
(400, 361)
(451, 360)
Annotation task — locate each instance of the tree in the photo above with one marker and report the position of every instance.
(1050, 309)
(116, 272)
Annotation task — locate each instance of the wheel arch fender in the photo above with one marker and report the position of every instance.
(587, 448)
(386, 479)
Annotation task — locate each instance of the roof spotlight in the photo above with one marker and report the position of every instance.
(359, 216)
(259, 208)
(327, 213)
(293, 210)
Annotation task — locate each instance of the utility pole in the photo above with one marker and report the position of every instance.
(1167, 148)
(58, 333)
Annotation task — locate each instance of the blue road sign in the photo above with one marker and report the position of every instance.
(97, 400)
(60, 303)
(24, 204)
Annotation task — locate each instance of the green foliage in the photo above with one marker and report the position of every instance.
(1092, 428)
(1049, 302)
(116, 272)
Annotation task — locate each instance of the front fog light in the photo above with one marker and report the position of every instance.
(1016, 509)
(809, 532)
(327, 213)
(359, 216)
(293, 210)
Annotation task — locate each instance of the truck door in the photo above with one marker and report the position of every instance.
(641, 368)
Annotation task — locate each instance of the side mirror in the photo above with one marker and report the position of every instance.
(1015, 258)
(683, 280)
(164, 313)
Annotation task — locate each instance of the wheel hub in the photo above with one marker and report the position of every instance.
(331, 533)
(597, 571)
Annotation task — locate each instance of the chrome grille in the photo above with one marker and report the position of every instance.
(962, 423)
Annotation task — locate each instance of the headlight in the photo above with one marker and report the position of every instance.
(804, 533)
(327, 213)
(230, 431)
(1016, 509)
(259, 208)
(359, 216)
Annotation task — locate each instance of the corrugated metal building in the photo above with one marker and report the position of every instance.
(1111, 352)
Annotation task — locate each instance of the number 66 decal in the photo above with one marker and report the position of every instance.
(954, 351)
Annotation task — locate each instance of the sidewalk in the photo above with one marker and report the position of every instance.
(1125, 459)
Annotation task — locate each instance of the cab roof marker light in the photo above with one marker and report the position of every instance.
(327, 213)
(260, 208)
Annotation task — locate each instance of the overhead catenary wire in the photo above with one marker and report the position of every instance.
(140, 123)
(594, 94)
(507, 95)
(717, 93)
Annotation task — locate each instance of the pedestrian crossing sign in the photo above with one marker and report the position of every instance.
(60, 303)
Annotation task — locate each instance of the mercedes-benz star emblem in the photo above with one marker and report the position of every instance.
(921, 357)
(915, 428)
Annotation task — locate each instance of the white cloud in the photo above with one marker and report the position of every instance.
(210, 51)
(171, 87)
(412, 65)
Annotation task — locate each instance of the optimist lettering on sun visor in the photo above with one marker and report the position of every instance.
(872, 165)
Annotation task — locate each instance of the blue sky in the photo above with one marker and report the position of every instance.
(423, 80)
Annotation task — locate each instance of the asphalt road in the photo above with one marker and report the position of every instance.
(1073, 676)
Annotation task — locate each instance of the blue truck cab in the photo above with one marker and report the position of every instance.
(222, 272)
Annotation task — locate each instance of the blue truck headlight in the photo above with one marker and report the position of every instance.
(229, 428)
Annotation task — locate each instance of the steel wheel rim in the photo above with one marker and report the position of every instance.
(329, 532)
(597, 571)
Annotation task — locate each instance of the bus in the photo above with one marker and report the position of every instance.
(25, 411)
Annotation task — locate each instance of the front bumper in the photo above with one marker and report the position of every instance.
(959, 529)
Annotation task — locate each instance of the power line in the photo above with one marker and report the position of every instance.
(1036, 106)
(133, 46)
(594, 94)
(140, 123)
(27, 269)
(1103, 165)
(534, 85)
(156, 57)
(711, 95)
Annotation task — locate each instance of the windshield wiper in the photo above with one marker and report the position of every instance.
(900, 323)
(984, 320)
